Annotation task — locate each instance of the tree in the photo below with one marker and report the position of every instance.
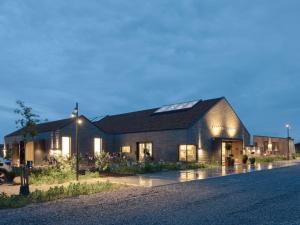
(28, 120)
(27, 123)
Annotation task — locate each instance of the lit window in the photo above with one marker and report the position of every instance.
(97, 146)
(125, 149)
(66, 146)
(145, 149)
(187, 153)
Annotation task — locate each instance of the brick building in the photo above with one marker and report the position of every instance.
(273, 145)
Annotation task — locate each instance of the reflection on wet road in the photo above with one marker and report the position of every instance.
(170, 177)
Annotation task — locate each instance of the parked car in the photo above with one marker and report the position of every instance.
(5, 170)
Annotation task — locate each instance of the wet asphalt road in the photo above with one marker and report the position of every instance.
(264, 197)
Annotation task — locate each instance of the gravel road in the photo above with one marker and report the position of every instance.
(265, 197)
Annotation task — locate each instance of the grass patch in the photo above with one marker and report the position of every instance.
(57, 192)
(50, 176)
(56, 176)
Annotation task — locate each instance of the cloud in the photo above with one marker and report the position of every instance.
(118, 56)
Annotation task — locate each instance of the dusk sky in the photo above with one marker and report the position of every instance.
(118, 56)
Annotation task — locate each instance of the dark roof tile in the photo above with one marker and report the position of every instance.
(45, 127)
(147, 120)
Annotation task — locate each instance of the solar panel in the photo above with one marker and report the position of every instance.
(180, 106)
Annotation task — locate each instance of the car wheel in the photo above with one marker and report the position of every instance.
(3, 177)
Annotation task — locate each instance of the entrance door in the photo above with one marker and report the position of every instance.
(226, 151)
(234, 148)
(144, 148)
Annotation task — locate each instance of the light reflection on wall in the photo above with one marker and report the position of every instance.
(216, 130)
(4, 153)
(200, 149)
(231, 132)
(222, 121)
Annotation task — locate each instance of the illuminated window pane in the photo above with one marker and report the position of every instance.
(125, 149)
(182, 155)
(187, 153)
(97, 146)
(143, 149)
(66, 146)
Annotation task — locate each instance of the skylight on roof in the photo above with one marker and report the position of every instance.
(180, 106)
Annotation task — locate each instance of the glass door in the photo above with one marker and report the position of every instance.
(144, 150)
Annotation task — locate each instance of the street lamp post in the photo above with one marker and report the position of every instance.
(288, 127)
(75, 114)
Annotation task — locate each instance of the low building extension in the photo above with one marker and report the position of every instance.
(266, 145)
(297, 147)
(55, 138)
(203, 130)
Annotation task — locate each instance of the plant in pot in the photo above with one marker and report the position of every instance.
(231, 160)
(252, 159)
(245, 159)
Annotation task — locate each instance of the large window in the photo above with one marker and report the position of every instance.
(187, 153)
(97, 146)
(275, 146)
(125, 149)
(66, 146)
(145, 149)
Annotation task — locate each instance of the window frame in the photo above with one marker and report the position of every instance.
(126, 146)
(186, 152)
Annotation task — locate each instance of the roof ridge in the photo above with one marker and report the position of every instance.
(122, 114)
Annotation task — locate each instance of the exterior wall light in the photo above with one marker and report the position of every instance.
(4, 153)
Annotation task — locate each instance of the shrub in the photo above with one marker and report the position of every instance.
(65, 164)
(62, 171)
(50, 175)
(102, 161)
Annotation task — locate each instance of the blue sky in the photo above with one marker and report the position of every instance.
(117, 56)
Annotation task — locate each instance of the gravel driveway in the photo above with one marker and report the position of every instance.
(265, 197)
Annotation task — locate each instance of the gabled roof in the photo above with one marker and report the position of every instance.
(45, 127)
(148, 120)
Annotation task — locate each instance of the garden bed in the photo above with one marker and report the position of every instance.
(269, 159)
